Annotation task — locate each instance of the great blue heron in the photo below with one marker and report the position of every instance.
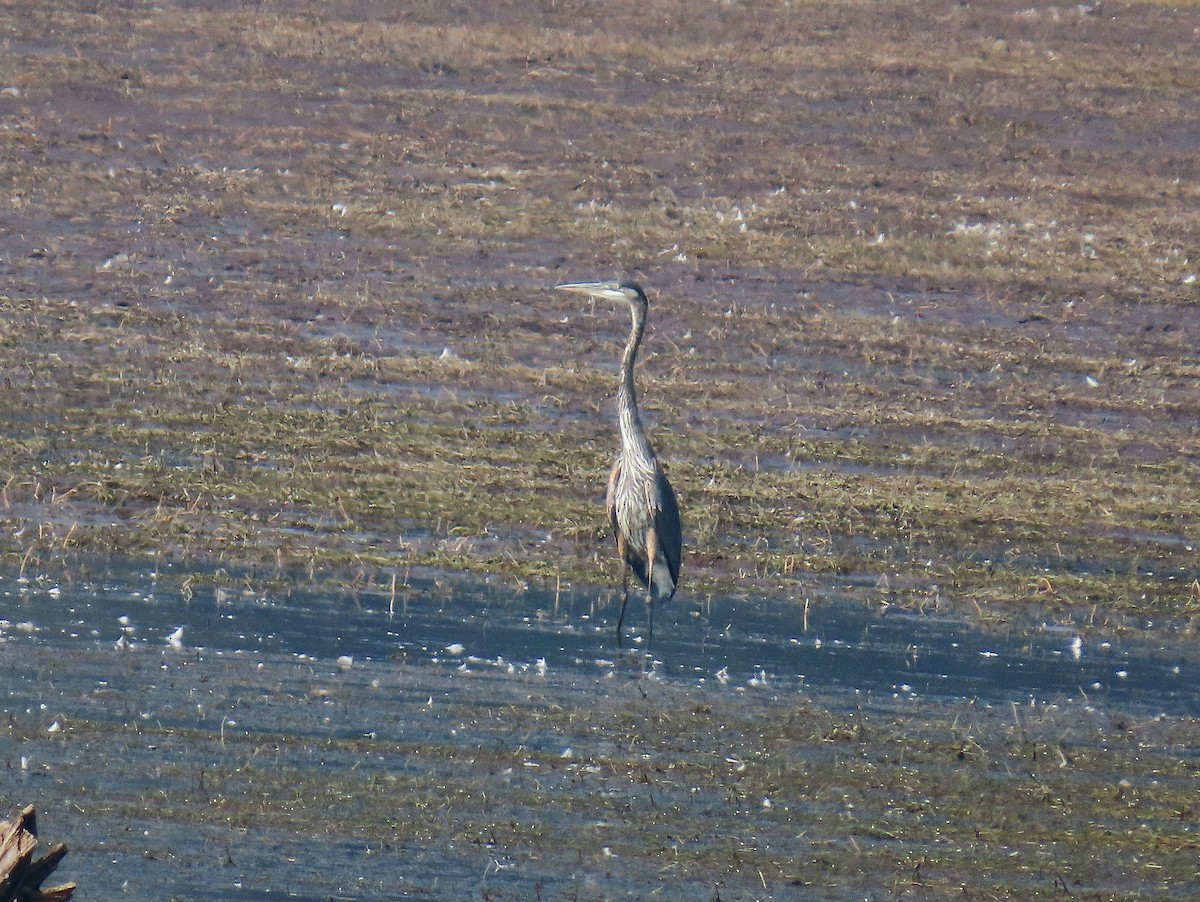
(641, 503)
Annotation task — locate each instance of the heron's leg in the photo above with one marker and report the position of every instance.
(624, 585)
(651, 554)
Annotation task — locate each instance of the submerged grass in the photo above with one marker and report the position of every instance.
(674, 787)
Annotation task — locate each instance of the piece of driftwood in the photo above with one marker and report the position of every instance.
(21, 877)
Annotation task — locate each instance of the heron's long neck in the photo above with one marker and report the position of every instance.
(633, 434)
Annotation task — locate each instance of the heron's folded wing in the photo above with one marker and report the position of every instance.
(667, 525)
(610, 501)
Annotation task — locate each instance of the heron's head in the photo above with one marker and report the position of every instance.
(629, 292)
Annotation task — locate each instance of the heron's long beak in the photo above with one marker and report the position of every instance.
(609, 291)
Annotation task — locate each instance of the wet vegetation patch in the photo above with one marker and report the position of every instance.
(921, 293)
(923, 280)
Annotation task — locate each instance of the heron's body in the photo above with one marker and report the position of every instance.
(641, 504)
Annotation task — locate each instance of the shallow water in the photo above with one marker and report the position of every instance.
(826, 645)
(125, 695)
